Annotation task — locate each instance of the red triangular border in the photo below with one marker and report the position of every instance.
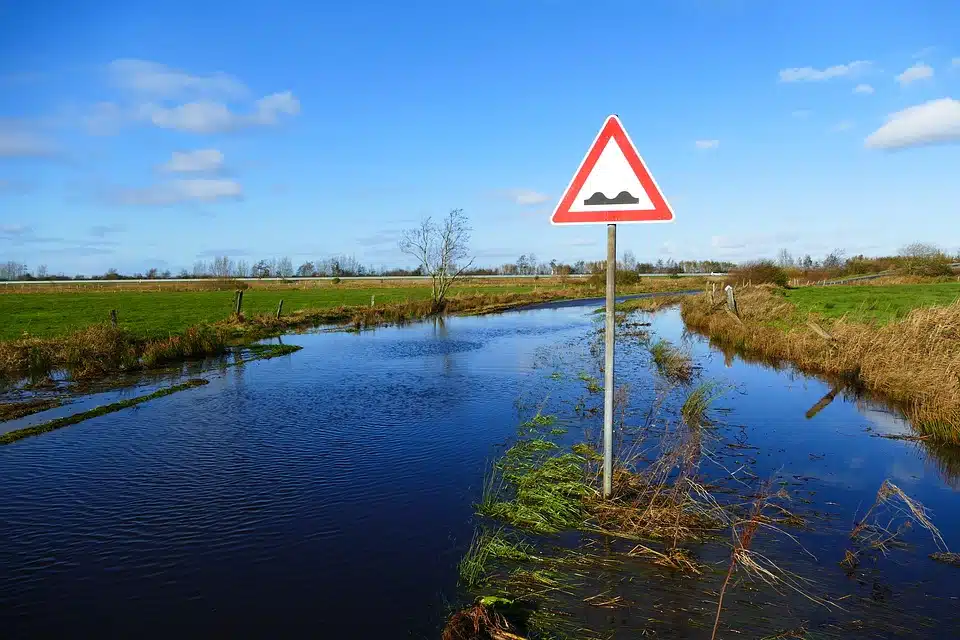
(661, 211)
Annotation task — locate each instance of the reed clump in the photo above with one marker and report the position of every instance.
(914, 362)
(103, 349)
(671, 362)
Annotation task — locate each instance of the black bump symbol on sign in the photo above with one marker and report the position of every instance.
(623, 197)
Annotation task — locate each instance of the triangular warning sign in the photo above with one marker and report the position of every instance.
(612, 184)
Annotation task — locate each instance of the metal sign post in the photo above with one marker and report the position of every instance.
(609, 340)
(611, 186)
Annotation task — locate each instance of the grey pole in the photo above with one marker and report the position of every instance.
(608, 342)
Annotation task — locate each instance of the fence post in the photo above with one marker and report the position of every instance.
(372, 299)
(731, 300)
(113, 318)
(279, 308)
(239, 302)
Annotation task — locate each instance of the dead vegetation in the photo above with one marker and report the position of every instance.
(881, 529)
(914, 362)
(14, 410)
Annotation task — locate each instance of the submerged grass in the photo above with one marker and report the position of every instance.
(488, 547)
(13, 436)
(913, 362)
(14, 410)
(541, 491)
(672, 363)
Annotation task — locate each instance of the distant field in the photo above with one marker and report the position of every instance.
(158, 313)
(873, 303)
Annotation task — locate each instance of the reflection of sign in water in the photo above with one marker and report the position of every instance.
(612, 184)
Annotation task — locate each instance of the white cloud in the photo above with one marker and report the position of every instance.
(863, 88)
(526, 196)
(17, 141)
(756, 243)
(155, 80)
(932, 122)
(955, 62)
(201, 160)
(809, 74)
(105, 118)
(802, 114)
(923, 53)
(707, 144)
(178, 191)
(215, 117)
(843, 125)
(919, 71)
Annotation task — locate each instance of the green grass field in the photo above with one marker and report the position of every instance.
(872, 303)
(159, 313)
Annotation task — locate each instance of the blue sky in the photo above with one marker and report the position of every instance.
(142, 134)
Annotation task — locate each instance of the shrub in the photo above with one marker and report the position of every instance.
(336, 280)
(761, 272)
(624, 278)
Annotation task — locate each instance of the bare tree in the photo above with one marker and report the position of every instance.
(284, 267)
(306, 269)
(629, 261)
(42, 272)
(784, 259)
(920, 250)
(222, 267)
(442, 251)
(240, 270)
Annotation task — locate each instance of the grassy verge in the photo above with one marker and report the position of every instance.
(59, 423)
(160, 311)
(872, 303)
(912, 359)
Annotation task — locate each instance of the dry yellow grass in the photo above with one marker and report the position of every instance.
(914, 362)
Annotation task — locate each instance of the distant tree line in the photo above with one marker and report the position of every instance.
(918, 258)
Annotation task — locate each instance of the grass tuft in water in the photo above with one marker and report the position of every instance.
(488, 548)
(539, 492)
(671, 362)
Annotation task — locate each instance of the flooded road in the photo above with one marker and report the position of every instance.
(331, 492)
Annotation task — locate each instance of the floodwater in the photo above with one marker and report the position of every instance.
(329, 493)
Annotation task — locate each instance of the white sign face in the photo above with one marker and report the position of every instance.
(612, 185)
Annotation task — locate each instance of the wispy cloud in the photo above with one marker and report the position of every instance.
(955, 63)
(231, 252)
(936, 121)
(216, 117)
(919, 71)
(923, 53)
(101, 230)
(18, 139)
(179, 191)
(755, 242)
(15, 187)
(525, 197)
(863, 88)
(843, 125)
(199, 161)
(810, 74)
(388, 236)
(801, 114)
(174, 99)
(155, 80)
(707, 144)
